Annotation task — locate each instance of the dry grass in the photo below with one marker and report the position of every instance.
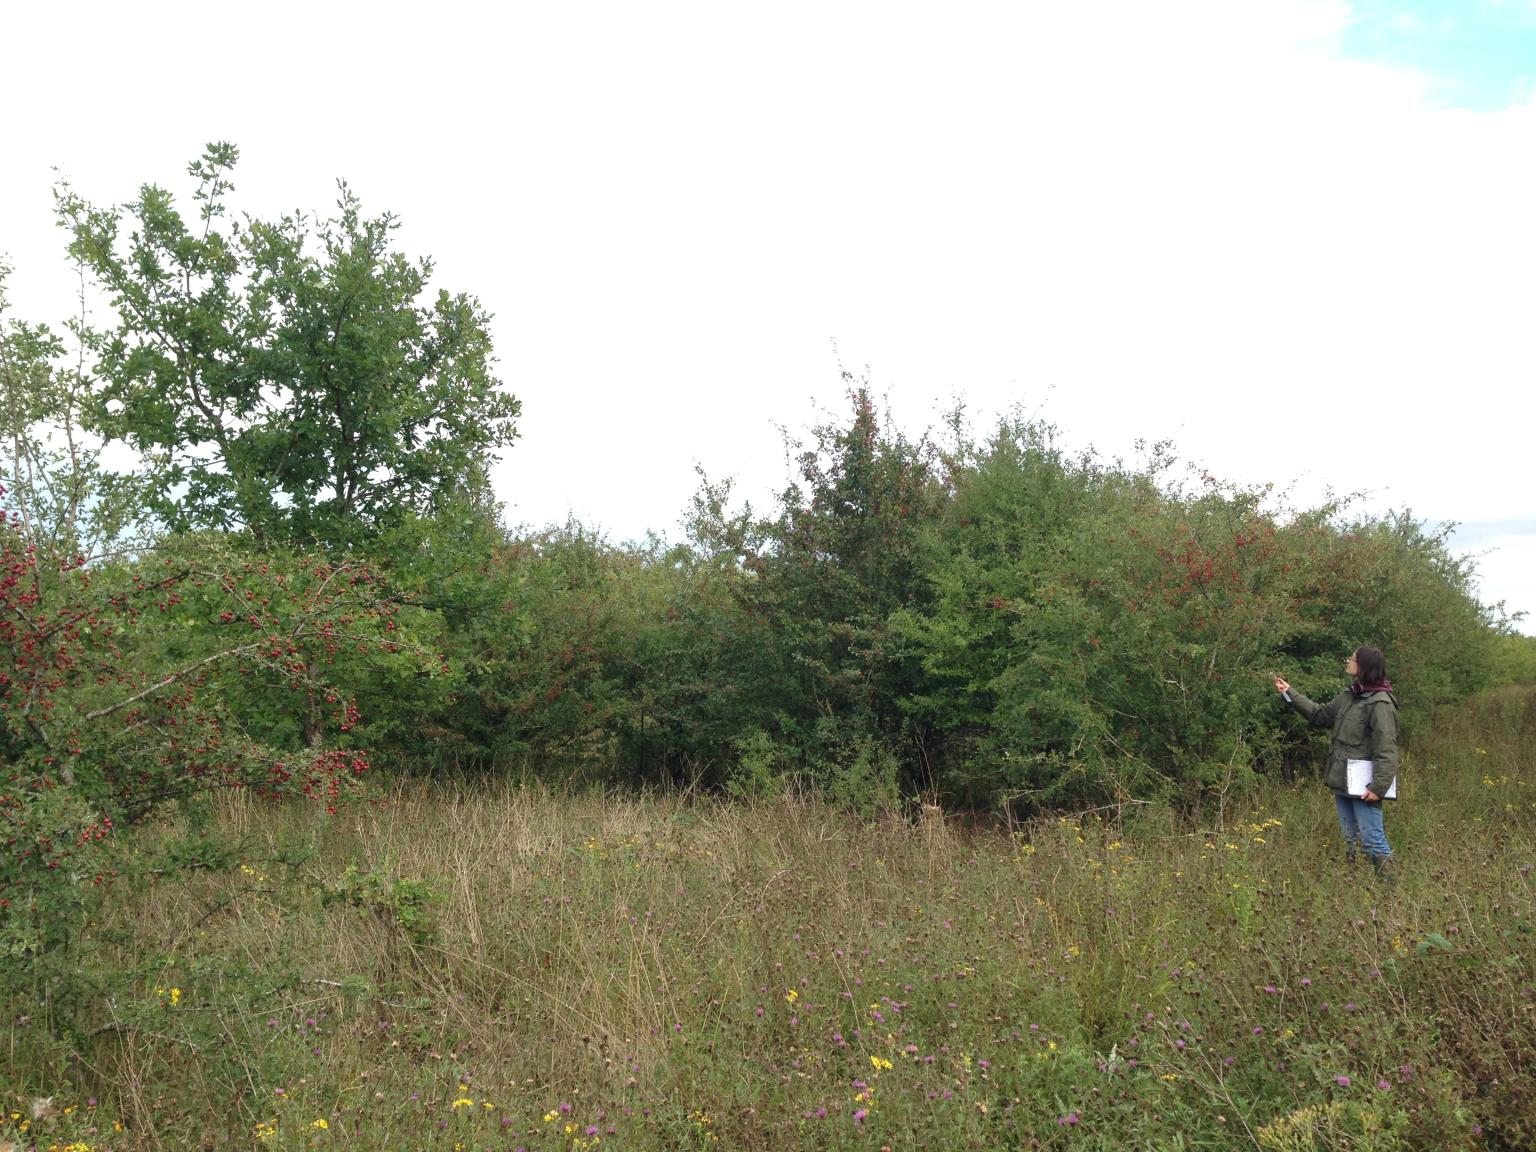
(687, 973)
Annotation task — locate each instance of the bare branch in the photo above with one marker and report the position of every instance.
(169, 680)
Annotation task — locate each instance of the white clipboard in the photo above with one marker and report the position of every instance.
(1360, 773)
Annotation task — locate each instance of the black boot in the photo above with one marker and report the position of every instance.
(1385, 868)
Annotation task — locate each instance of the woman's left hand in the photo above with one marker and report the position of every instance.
(1369, 797)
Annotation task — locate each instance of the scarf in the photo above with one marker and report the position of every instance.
(1360, 689)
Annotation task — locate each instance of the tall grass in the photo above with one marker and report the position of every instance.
(496, 967)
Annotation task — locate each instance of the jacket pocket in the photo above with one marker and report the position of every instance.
(1350, 732)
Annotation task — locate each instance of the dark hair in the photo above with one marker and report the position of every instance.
(1371, 665)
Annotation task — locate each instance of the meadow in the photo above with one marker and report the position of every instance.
(457, 966)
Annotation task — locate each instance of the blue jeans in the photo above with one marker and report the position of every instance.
(1362, 824)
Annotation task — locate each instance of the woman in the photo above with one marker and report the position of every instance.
(1364, 722)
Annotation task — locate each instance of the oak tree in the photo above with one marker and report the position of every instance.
(290, 377)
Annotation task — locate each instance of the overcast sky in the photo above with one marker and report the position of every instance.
(1297, 238)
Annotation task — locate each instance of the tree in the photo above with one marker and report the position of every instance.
(285, 377)
(817, 585)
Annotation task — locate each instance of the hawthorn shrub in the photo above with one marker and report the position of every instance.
(575, 659)
(1004, 626)
(134, 683)
(529, 633)
(1095, 635)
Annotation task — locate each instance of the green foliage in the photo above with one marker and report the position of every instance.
(135, 678)
(1389, 583)
(758, 773)
(1031, 630)
(863, 779)
(1335, 1125)
(1512, 660)
(531, 631)
(285, 376)
(996, 624)
(196, 668)
(812, 592)
(301, 394)
(404, 903)
(203, 849)
(578, 659)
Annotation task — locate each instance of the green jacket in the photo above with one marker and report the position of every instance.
(1364, 728)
